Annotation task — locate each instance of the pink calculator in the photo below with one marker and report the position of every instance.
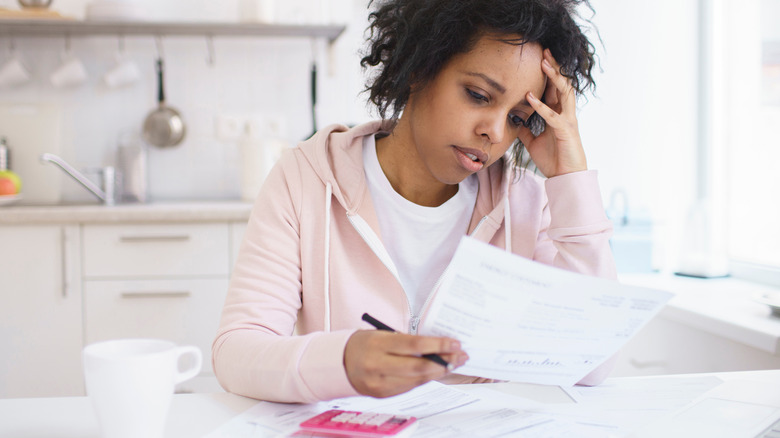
(357, 424)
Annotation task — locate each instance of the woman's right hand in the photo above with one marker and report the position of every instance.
(383, 364)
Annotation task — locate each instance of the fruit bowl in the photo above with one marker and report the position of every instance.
(9, 199)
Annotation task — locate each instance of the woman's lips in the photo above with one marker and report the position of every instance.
(472, 160)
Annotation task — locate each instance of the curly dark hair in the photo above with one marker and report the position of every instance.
(412, 40)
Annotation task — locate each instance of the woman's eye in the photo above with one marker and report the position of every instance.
(517, 121)
(476, 96)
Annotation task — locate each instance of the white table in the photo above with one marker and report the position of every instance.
(195, 415)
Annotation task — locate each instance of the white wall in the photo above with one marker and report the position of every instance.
(640, 129)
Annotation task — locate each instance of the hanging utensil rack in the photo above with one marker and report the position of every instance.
(21, 27)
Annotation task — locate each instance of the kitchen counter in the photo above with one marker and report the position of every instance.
(212, 414)
(155, 212)
(725, 307)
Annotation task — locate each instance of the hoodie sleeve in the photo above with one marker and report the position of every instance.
(256, 353)
(575, 236)
(575, 230)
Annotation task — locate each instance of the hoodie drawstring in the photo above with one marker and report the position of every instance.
(507, 227)
(326, 286)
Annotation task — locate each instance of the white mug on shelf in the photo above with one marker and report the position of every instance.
(131, 383)
(70, 72)
(13, 72)
(257, 11)
(124, 72)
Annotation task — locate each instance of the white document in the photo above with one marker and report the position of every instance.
(524, 321)
(733, 409)
(625, 405)
(442, 411)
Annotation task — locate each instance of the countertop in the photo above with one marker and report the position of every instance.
(155, 212)
(726, 307)
(201, 414)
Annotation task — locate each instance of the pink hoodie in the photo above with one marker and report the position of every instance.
(312, 262)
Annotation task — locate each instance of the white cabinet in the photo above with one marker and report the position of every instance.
(163, 281)
(185, 311)
(148, 251)
(40, 311)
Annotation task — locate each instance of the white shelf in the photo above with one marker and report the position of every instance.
(57, 28)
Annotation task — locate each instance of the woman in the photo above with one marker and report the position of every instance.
(366, 219)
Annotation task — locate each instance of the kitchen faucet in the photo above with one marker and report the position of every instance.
(106, 194)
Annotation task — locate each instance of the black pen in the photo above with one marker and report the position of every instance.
(379, 325)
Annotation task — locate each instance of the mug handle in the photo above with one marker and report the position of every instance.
(181, 376)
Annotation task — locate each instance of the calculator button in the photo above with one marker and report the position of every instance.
(378, 419)
(344, 417)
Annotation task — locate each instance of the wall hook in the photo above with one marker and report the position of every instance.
(211, 57)
(159, 45)
(121, 44)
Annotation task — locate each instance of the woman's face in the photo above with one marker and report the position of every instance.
(472, 111)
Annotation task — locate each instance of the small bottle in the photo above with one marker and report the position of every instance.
(132, 163)
(10, 183)
(260, 147)
(5, 155)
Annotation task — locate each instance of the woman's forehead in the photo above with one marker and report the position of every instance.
(504, 62)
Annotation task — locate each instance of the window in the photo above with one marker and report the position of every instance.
(751, 152)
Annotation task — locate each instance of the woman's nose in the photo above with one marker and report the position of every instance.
(492, 128)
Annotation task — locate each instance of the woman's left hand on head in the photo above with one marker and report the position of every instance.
(558, 150)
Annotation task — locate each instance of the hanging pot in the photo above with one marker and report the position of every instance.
(164, 126)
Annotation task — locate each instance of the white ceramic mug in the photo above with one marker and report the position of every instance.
(125, 72)
(131, 383)
(70, 73)
(256, 11)
(13, 72)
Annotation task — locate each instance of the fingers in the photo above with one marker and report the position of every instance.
(381, 364)
(558, 150)
(407, 351)
(543, 110)
(552, 69)
(551, 87)
(418, 345)
(559, 93)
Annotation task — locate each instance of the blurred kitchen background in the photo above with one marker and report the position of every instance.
(213, 81)
(683, 127)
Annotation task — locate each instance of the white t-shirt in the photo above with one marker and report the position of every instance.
(420, 240)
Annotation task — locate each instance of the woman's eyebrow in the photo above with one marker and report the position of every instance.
(500, 88)
(490, 81)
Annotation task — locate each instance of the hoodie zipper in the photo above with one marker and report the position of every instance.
(370, 237)
(372, 240)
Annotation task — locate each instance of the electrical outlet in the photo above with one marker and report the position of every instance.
(229, 127)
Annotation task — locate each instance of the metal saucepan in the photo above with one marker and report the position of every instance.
(163, 127)
(35, 3)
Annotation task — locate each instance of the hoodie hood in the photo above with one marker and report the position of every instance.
(336, 155)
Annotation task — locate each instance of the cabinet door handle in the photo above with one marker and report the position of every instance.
(170, 238)
(156, 294)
